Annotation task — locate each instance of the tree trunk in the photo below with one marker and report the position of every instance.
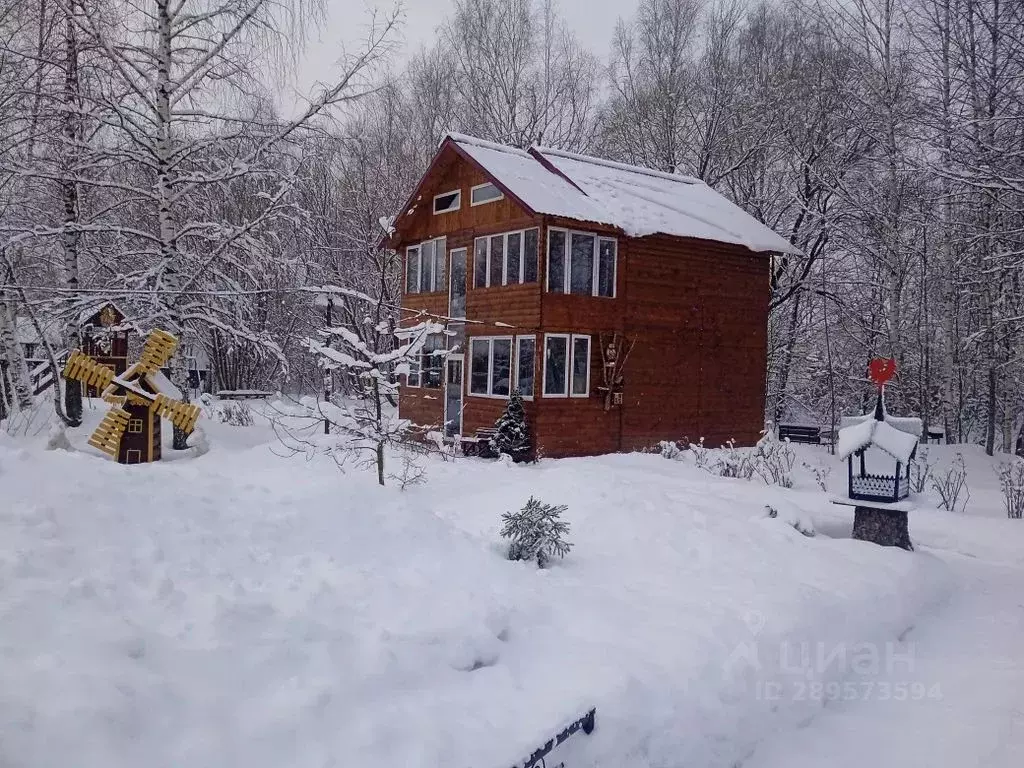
(883, 527)
(17, 367)
(71, 236)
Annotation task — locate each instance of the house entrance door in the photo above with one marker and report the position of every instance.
(453, 396)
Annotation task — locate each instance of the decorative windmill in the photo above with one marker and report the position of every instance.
(130, 432)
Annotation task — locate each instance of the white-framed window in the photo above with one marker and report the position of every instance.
(581, 263)
(412, 269)
(508, 258)
(490, 366)
(526, 365)
(485, 193)
(135, 426)
(448, 201)
(424, 266)
(566, 365)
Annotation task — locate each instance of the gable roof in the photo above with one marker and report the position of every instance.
(897, 436)
(636, 200)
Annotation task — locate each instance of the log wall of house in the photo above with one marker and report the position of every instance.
(699, 311)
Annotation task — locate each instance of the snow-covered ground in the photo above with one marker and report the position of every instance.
(244, 609)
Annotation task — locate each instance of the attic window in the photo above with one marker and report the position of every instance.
(449, 201)
(484, 193)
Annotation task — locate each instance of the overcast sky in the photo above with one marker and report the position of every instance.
(593, 21)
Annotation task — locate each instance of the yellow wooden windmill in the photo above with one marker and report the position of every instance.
(130, 432)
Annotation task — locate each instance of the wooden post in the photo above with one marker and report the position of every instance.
(887, 528)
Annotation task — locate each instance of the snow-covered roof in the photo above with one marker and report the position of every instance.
(881, 434)
(163, 385)
(636, 200)
(909, 424)
(156, 380)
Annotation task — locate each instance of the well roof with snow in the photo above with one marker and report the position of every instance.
(878, 449)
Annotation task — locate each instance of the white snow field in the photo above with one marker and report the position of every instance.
(245, 609)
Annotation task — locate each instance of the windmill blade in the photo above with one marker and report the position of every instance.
(181, 415)
(81, 367)
(157, 350)
(107, 437)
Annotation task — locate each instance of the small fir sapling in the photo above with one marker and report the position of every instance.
(536, 532)
(513, 433)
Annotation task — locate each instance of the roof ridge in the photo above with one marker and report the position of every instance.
(638, 169)
(463, 138)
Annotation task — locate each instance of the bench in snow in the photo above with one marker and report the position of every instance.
(479, 444)
(796, 433)
(243, 394)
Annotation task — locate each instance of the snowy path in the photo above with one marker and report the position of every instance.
(964, 689)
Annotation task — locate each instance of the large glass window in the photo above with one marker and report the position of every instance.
(506, 259)
(581, 263)
(566, 365)
(526, 353)
(493, 371)
(424, 267)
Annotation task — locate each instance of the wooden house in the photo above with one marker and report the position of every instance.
(106, 334)
(629, 306)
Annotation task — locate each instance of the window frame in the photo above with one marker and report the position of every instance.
(570, 357)
(504, 257)
(567, 263)
(473, 204)
(456, 207)
(513, 371)
(132, 422)
(419, 265)
(439, 260)
(572, 365)
(519, 339)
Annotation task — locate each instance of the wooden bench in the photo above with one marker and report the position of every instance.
(800, 434)
(479, 444)
(935, 436)
(243, 394)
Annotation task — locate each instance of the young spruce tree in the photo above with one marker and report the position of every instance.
(513, 435)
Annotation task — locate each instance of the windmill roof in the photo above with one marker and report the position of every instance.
(637, 200)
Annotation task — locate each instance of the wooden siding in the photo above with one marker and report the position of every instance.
(699, 312)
